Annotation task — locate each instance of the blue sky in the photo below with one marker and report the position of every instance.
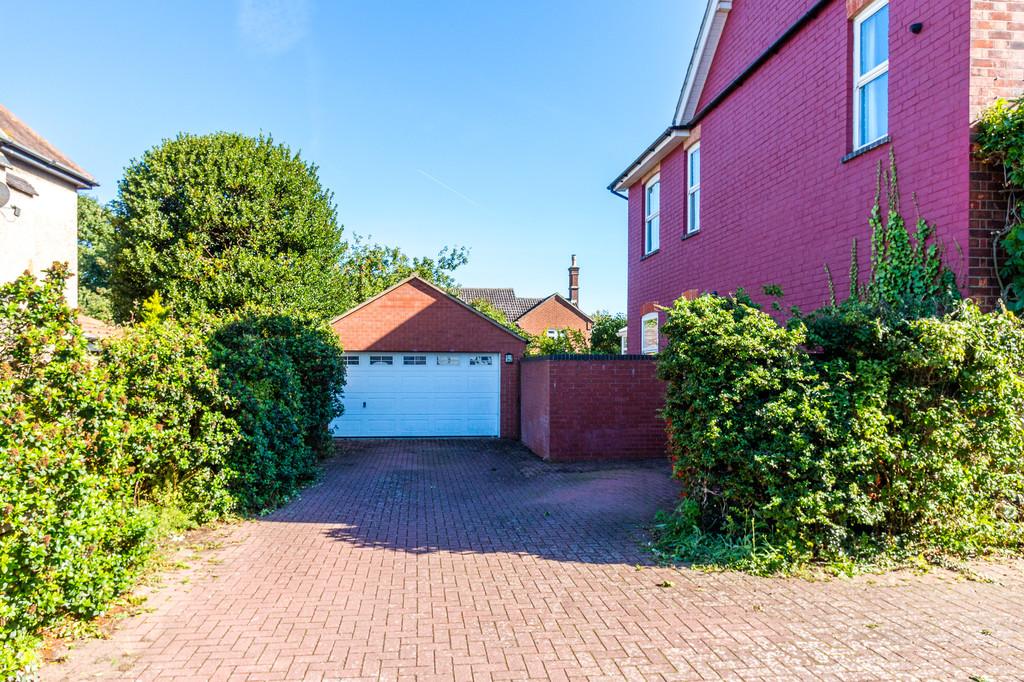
(492, 125)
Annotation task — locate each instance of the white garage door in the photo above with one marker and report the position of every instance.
(420, 394)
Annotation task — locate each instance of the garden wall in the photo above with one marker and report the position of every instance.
(592, 407)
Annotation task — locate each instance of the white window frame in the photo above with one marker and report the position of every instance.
(652, 238)
(692, 192)
(861, 80)
(552, 333)
(645, 349)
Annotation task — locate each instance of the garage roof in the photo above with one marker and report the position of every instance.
(433, 286)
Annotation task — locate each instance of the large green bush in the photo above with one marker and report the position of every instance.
(189, 422)
(71, 533)
(906, 440)
(285, 376)
(175, 434)
(220, 221)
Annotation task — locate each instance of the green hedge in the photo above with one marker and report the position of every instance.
(849, 436)
(175, 430)
(285, 377)
(70, 532)
(170, 422)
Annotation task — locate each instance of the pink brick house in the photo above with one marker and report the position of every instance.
(767, 171)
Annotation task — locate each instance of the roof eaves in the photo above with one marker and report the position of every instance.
(700, 61)
(34, 158)
(564, 300)
(651, 157)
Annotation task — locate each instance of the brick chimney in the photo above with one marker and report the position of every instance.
(574, 283)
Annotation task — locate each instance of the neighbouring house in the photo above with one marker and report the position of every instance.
(537, 316)
(38, 203)
(768, 169)
(421, 362)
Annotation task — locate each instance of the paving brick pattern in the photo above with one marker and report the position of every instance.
(474, 560)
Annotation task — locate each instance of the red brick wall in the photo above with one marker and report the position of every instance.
(417, 317)
(599, 408)
(778, 203)
(987, 218)
(997, 52)
(553, 313)
(997, 71)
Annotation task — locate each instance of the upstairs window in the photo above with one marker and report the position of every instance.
(871, 74)
(649, 334)
(652, 207)
(693, 189)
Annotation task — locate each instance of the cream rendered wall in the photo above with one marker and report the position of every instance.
(46, 231)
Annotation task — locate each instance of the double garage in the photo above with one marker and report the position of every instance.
(421, 363)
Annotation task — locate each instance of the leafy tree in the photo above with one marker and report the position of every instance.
(95, 237)
(604, 337)
(568, 341)
(216, 222)
(484, 306)
(368, 268)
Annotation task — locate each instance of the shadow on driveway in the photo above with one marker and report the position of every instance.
(481, 496)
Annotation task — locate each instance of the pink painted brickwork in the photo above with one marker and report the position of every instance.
(778, 203)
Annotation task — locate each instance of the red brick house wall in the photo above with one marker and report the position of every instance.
(592, 407)
(417, 317)
(554, 313)
(778, 202)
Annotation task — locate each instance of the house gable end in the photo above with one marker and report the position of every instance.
(414, 315)
(700, 62)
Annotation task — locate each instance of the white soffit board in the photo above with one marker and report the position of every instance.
(700, 62)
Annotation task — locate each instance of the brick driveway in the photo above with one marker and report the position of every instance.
(474, 560)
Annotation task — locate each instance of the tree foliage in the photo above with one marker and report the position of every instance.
(482, 305)
(604, 337)
(568, 342)
(217, 222)
(368, 268)
(95, 239)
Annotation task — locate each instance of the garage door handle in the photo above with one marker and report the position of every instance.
(364, 403)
